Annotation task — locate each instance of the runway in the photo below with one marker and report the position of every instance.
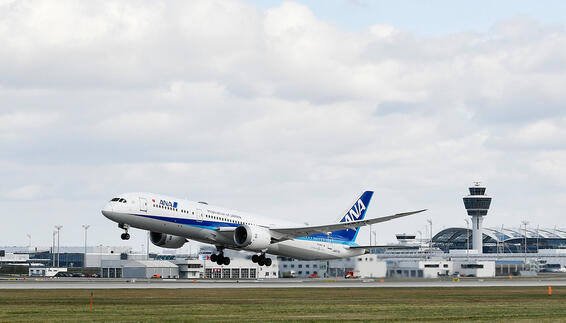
(82, 283)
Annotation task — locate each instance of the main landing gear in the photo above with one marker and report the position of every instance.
(125, 235)
(261, 260)
(220, 259)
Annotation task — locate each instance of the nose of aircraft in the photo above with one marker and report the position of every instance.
(107, 211)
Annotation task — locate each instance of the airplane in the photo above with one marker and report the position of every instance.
(172, 221)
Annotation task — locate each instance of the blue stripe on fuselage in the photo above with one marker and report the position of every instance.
(205, 224)
(213, 225)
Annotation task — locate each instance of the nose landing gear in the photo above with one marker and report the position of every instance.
(125, 235)
(261, 260)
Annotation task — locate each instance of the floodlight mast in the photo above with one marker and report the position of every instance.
(85, 226)
(58, 227)
(525, 245)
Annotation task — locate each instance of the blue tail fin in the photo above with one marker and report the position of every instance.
(356, 212)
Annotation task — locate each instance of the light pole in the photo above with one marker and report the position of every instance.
(29, 241)
(467, 239)
(85, 226)
(525, 249)
(374, 237)
(100, 259)
(420, 243)
(53, 249)
(502, 240)
(537, 238)
(58, 227)
(430, 222)
(370, 234)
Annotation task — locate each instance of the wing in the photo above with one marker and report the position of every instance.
(296, 232)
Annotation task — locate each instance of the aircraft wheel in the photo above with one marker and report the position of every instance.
(125, 236)
(213, 257)
(226, 261)
(267, 262)
(261, 261)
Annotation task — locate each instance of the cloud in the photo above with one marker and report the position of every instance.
(273, 111)
(26, 192)
(15, 125)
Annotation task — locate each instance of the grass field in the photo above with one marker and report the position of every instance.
(343, 304)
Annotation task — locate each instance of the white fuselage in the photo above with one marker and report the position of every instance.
(214, 225)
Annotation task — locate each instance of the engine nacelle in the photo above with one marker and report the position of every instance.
(166, 240)
(252, 238)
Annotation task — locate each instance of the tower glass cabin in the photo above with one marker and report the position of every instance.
(477, 204)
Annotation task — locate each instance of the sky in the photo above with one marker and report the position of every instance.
(283, 109)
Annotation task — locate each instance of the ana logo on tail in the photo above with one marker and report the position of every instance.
(355, 212)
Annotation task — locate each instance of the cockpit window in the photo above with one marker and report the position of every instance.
(122, 200)
(115, 199)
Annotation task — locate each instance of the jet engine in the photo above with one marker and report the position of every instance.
(166, 240)
(252, 238)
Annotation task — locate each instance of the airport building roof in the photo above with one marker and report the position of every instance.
(500, 234)
(511, 239)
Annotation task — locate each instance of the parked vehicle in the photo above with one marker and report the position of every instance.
(553, 268)
(352, 274)
(290, 274)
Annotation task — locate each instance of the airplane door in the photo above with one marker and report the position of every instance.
(330, 244)
(143, 204)
(199, 215)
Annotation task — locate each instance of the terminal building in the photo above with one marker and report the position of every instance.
(501, 240)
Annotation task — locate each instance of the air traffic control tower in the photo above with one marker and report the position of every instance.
(477, 205)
